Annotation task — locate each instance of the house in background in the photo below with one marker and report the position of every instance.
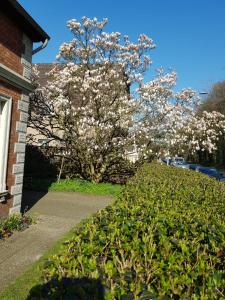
(18, 32)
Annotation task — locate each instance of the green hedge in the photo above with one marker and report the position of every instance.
(164, 238)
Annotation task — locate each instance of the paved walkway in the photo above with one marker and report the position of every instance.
(57, 213)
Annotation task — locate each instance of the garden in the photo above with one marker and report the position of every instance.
(14, 223)
(163, 238)
(164, 235)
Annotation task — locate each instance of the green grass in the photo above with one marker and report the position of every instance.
(75, 185)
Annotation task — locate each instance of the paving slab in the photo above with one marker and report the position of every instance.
(56, 213)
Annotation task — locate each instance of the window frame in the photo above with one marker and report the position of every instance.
(4, 141)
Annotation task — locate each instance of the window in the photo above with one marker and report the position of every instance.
(5, 117)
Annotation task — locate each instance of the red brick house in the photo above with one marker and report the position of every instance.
(18, 32)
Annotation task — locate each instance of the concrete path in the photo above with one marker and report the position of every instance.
(57, 213)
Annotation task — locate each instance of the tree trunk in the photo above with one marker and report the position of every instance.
(61, 169)
(97, 175)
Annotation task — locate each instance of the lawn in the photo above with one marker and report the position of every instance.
(75, 185)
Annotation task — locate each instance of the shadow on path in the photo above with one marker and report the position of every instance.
(68, 288)
(30, 198)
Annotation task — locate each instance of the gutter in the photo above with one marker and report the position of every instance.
(40, 47)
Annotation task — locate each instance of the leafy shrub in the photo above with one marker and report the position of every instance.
(120, 171)
(164, 238)
(14, 222)
(69, 288)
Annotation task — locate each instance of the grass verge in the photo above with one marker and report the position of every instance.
(19, 289)
(75, 185)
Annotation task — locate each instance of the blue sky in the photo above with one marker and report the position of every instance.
(189, 34)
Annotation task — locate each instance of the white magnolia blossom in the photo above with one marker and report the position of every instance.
(200, 133)
(167, 121)
(87, 101)
(89, 105)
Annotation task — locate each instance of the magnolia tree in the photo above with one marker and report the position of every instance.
(199, 133)
(168, 122)
(162, 111)
(97, 103)
(87, 103)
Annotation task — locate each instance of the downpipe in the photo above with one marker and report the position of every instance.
(41, 47)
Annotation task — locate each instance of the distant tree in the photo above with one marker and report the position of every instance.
(200, 133)
(215, 100)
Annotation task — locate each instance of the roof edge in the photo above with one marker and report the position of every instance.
(42, 35)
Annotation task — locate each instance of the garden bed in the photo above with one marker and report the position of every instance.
(13, 223)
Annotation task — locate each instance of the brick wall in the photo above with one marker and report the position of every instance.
(14, 56)
(11, 44)
(16, 95)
